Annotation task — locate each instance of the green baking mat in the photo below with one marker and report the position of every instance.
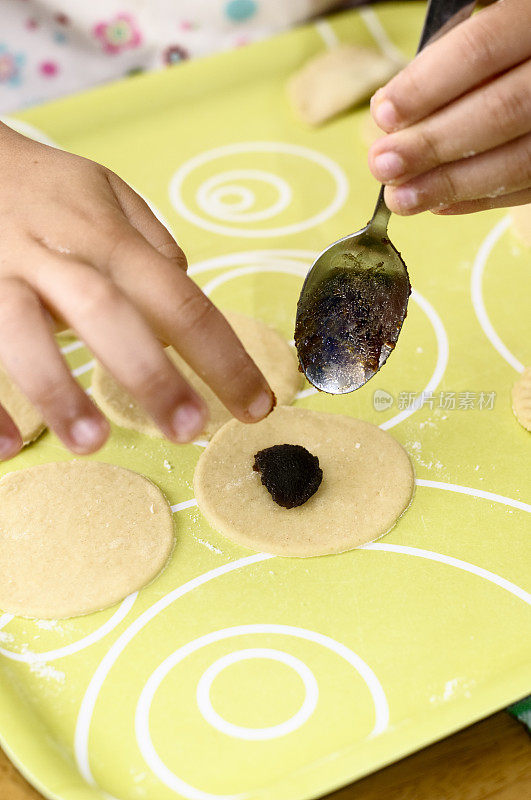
(240, 674)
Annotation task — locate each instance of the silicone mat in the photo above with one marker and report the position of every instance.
(241, 674)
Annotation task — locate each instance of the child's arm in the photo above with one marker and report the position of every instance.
(458, 119)
(79, 246)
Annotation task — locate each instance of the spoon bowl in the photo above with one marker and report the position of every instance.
(351, 308)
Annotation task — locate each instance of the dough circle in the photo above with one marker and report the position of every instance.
(368, 482)
(521, 399)
(27, 419)
(77, 537)
(273, 355)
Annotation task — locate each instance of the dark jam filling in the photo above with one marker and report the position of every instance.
(289, 472)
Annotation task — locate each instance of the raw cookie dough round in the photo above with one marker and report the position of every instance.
(27, 419)
(367, 483)
(521, 399)
(78, 536)
(273, 355)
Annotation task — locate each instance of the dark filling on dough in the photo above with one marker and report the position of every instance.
(289, 472)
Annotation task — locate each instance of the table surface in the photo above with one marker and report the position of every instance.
(490, 759)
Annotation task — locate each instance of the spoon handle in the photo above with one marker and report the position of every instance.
(441, 15)
(380, 218)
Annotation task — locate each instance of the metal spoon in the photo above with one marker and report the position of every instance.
(354, 299)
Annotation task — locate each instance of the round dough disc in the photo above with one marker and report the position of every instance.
(27, 419)
(78, 536)
(273, 355)
(521, 397)
(367, 483)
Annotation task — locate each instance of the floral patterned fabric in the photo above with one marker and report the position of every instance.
(50, 48)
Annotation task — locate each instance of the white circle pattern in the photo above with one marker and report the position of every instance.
(142, 729)
(31, 657)
(257, 734)
(476, 292)
(90, 698)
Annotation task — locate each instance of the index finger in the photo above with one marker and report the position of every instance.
(474, 51)
(10, 438)
(142, 217)
(180, 314)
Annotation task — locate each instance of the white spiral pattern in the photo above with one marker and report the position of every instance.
(212, 193)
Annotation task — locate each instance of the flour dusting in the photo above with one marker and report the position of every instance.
(210, 546)
(457, 687)
(46, 671)
(48, 624)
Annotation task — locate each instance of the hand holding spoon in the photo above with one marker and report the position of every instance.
(354, 299)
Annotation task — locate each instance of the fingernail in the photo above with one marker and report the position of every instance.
(188, 422)
(388, 165)
(261, 406)
(441, 208)
(385, 114)
(86, 432)
(406, 198)
(442, 211)
(8, 448)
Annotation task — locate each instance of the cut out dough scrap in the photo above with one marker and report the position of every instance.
(521, 397)
(367, 484)
(77, 537)
(27, 419)
(273, 355)
(338, 79)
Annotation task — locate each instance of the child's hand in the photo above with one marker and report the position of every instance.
(80, 247)
(459, 119)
